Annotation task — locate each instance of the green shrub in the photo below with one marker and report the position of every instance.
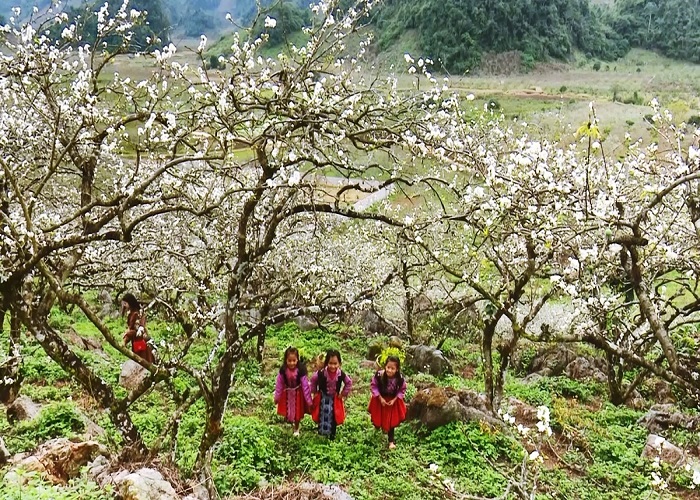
(54, 420)
(391, 351)
(248, 453)
(694, 120)
(30, 485)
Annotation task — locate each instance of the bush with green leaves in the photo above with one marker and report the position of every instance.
(22, 484)
(249, 452)
(391, 351)
(54, 420)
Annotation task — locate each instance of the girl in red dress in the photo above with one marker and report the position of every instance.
(386, 407)
(292, 391)
(136, 328)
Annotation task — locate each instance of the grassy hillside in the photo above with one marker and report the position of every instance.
(594, 452)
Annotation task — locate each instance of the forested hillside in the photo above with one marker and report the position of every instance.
(455, 33)
(672, 26)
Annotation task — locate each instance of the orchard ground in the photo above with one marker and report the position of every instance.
(593, 453)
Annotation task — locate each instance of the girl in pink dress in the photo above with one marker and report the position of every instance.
(292, 391)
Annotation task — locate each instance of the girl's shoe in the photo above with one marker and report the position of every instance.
(392, 446)
(296, 433)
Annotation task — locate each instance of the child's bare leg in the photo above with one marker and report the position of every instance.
(296, 428)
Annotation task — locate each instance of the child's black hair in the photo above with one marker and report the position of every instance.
(330, 353)
(132, 301)
(384, 380)
(301, 366)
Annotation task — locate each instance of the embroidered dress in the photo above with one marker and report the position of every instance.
(292, 394)
(329, 387)
(387, 417)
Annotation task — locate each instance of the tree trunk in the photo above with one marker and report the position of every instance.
(408, 301)
(99, 390)
(486, 351)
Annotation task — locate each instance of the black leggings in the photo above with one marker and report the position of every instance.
(391, 435)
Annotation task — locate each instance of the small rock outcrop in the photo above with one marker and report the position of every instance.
(58, 460)
(667, 452)
(22, 408)
(437, 406)
(81, 342)
(427, 359)
(4, 454)
(146, 484)
(664, 416)
(552, 361)
(132, 375)
(583, 368)
(306, 323)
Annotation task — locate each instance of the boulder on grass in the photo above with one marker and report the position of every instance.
(437, 406)
(427, 359)
(667, 452)
(146, 484)
(22, 408)
(552, 361)
(59, 460)
(132, 375)
(665, 416)
(583, 368)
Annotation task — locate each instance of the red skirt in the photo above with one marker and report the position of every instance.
(386, 417)
(299, 408)
(338, 409)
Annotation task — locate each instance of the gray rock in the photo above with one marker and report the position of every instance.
(533, 378)
(98, 470)
(438, 406)
(427, 359)
(552, 361)
(4, 453)
(132, 375)
(374, 349)
(371, 322)
(146, 484)
(584, 369)
(663, 393)
(305, 323)
(199, 492)
(664, 416)
(22, 408)
(77, 340)
(330, 491)
(667, 452)
(60, 460)
(369, 364)
(395, 341)
(108, 309)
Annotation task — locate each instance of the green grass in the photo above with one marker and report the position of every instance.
(596, 445)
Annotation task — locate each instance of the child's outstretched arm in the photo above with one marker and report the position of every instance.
(348, 386)
(402, 391)
(306, 389)
(314, 383)
(374, 386)
(279, 387)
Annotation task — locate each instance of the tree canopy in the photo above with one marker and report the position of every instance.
(458, 32)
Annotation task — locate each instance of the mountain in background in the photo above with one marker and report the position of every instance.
(454, 33)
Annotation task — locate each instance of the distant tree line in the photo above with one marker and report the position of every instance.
(458, 32)
(157, 25)
(671, 27)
